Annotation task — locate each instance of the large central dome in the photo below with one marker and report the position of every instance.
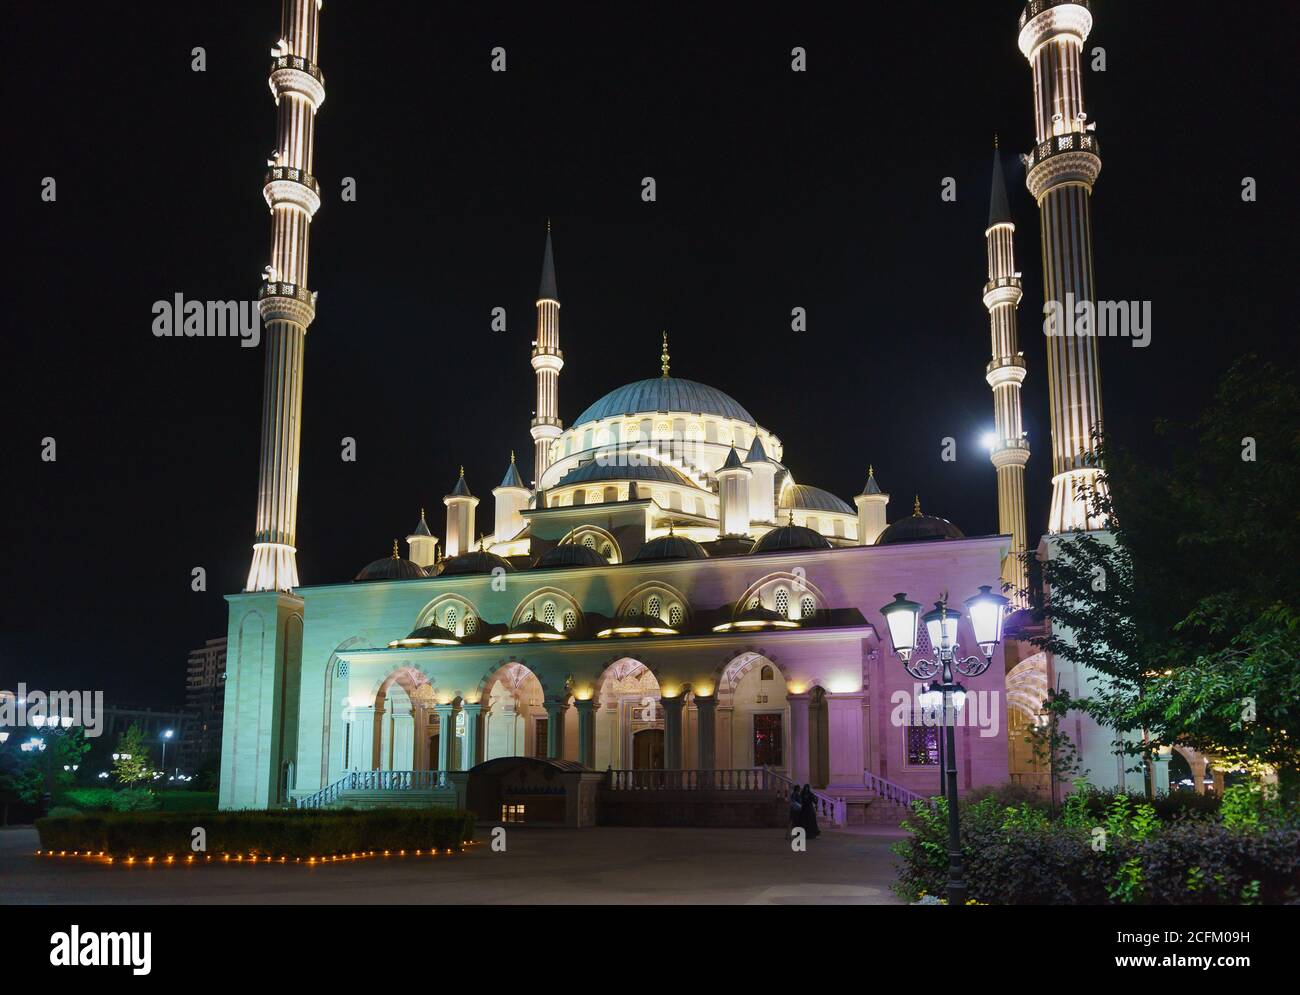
(665, 394)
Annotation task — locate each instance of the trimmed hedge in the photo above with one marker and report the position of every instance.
(287, 833)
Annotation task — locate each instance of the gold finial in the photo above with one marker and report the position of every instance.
(995, 141)
(916, 506)
(462, 470)
(663, 356)
(512, 456)
(548, 226)
(790, 521)
(421, 514)
(670, 528)
(395, 556)
(871, 470)
(482, 543)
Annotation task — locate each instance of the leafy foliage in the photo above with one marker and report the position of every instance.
(132, 764)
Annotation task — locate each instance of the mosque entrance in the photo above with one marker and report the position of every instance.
(648, 750)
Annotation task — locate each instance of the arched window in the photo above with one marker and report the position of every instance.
(653, 606)
(813, 524)
(471, 625)
(782, 601)
(754, 602)
(675, 616)
(839, 527)
(570, 621)
(766, 673)
(528, 614)
(607, 551)
(807, 607)
(580, 496)
(589, 541)
(611, 495)
(548, 613)
(450, 617)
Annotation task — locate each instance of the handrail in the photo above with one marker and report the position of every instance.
(375, 780)
(891, 792)
(828, 807)
(739, 779)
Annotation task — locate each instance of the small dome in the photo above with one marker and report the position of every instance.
(595, 471)
(532, 630)
(671, 547)
(919, 528)
(477, 562)
(785, 537)
(572, 554)
(809, 498)
(391, 568)
(426, 635)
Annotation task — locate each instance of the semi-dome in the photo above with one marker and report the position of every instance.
(786, 537)
(919, 528)
(572, 554)
(596, 471)
(478, 561)
(665, 394)
(391, 568)
(426, 635)
(671, 547)
(805, 497)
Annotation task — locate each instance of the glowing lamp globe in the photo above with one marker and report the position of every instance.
(901, 615)
(987, 612)
(941, 626)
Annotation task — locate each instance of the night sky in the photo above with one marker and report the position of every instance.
(775, 189)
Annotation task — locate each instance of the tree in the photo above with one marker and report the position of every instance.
(1187, 606)
(1053, 748)
(132, 764)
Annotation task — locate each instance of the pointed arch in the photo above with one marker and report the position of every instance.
(797, 590)
(537, 601)
(600, 539)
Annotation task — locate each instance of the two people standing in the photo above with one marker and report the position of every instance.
(803, 811)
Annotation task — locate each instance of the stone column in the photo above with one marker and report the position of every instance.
(1198, 774)
(361, 752)
(473, 731)
(705, 707)
(1160, 772)
(847, 757)
(672, 732)
(445, 734)
(403, 738)
(555, 728)
(798, 752)
(587, 731)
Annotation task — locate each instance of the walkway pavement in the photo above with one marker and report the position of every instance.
(539, 866)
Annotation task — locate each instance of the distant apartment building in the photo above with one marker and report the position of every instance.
(205, 699)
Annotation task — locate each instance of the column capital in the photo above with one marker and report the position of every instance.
(471, 707)
(444, 709)
(706, 701)
(586, 706)
(672, 705)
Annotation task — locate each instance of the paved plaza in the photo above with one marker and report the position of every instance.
(570, 866)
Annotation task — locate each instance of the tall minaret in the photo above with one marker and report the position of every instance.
(287, 307)
(1061, 172)
(547, 363)
(1006, 373)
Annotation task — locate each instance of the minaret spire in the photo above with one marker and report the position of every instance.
(664, 357)
(1006, 372)
(547, 361)
(1061, 172)
(287, 307)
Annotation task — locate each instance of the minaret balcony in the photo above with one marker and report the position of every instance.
(1005, 371)
(1074, 157)
(1002, 290)
(1010, 452)
(548, 359)
(1043, 20)
(287, 185)
(281, 301)
(294, 74)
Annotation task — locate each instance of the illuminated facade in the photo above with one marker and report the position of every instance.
(1061, 172)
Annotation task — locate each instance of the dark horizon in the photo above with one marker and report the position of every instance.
(775, 189)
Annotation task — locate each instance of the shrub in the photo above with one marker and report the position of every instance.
(187, 801)
(133, 800)
(1014, 859)
(287, 833)
(62, 811)
(89, 799)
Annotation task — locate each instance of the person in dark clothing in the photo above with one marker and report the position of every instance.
(796, 808)
(808, 812)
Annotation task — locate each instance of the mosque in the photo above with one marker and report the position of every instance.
(662, 604)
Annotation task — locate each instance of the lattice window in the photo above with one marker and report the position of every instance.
(589, 541)
(343, 668)
(675, 616)
(528, 615)
(782, 601)
(471, 625)
(548, 613)
(570, 621)
(754, 602)
(450, 617)
(807, 607)
(653, 606)
(923, 746)
(607, 551)
(766, 673)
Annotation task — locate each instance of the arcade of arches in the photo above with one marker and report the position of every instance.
(625, 721)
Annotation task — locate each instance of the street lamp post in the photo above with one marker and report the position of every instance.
(167, 734)
(986, 611)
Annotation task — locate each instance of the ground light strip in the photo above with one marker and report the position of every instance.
(191, 860)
